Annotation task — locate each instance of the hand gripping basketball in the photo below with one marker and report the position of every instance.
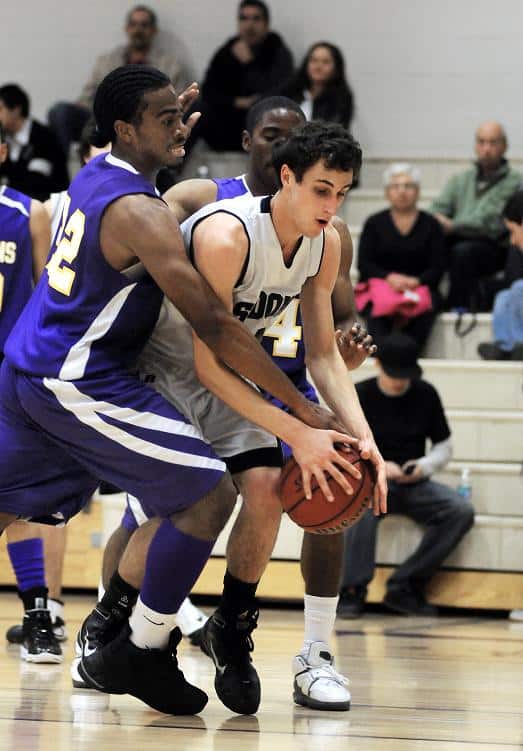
(319, 515)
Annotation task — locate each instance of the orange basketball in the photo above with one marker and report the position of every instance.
(319, 515)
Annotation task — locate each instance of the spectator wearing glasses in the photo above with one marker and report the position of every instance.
(250, 64)
(469, 210)
(401, 259)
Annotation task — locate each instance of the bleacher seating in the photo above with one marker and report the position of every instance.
(484, 403)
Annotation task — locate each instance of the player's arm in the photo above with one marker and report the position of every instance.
(189, 196)
(221, 249)
(40, 230)
(354, 343)
(137, 226)
(326, 365)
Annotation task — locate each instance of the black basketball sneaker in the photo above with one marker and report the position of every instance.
(39, 644)
(151, 675)
(229, 645)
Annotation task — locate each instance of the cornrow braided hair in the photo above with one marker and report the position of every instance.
(120, 97)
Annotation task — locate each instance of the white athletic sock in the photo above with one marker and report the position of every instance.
(55, 608)
(150, 630)
(185, 608)
(320, 615)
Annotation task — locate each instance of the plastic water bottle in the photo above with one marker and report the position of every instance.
(202, 172)
(464, 488)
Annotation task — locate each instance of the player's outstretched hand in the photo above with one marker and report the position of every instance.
(355, 345)
(368, 450)
(186, 99)
(188, 96)
(315, 452)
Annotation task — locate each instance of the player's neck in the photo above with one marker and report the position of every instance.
(284, 226)
(257, 186)
(143, 166)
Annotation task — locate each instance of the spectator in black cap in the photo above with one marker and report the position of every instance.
(403, 411)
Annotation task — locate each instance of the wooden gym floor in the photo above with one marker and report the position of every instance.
(417, 684)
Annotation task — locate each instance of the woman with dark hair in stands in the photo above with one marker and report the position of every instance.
(320, 87)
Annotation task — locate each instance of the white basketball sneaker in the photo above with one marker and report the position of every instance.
(190, 620)
(316, 683)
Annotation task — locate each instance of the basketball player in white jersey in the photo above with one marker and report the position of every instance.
(259, 254)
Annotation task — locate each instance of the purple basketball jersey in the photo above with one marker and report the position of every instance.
(231, 187)
(16, 259)
(86, 318)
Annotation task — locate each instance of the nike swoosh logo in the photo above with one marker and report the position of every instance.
(87, 650)
(153, 622)
(219, 668)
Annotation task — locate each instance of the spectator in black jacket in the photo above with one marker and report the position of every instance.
(244, 69)
(404, 246)
(320, 86)
(36, 164)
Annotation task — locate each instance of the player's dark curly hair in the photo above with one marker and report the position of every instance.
(120, 96)
(317, 141)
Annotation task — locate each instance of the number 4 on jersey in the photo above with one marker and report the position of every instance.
(286, 332)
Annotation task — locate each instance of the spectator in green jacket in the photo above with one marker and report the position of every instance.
(469, 210)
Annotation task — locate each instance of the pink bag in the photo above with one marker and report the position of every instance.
(387, 302)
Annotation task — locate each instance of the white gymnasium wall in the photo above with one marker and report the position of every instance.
(424, 73)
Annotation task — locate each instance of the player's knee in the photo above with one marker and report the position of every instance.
(259, 488)
(466, 514)
(218, 505)
(327, 543)
(461, 511)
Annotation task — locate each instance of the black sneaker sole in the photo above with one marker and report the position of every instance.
(48, 658)
(306, 701)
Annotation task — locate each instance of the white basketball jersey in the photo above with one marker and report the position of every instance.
(266, 286)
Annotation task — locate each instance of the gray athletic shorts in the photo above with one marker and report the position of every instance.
(240, 443)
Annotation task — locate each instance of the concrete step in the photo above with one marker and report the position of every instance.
(445, 344)
(487, 435)
(493, 543)
(497, 488)
(435, 171)
(468, 384)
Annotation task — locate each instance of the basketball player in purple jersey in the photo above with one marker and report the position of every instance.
(24, 244)
(238, 245)
(317, 684)
(268, 121)
(70, 410)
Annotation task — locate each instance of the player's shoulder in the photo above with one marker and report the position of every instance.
(221, 226)
(14, 201)
(331, 236)
(192, 194)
